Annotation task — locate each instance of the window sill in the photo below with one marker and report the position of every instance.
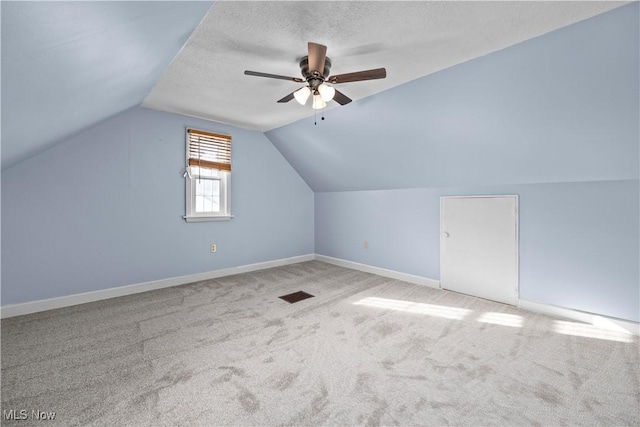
(207, 218)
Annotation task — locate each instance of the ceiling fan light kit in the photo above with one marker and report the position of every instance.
(318, 102)
(315, 68)
(302, 94)
(326, 92)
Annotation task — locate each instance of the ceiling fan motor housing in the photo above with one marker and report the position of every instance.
(313, 77)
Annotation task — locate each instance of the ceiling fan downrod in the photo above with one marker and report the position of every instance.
(313, 77)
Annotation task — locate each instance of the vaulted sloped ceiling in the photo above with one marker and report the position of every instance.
(68, 65)
(562, 107)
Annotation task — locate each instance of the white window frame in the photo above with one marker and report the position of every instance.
(191, 177)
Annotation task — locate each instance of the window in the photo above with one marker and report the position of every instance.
(208, 176)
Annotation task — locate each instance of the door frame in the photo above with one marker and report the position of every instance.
(517, 200)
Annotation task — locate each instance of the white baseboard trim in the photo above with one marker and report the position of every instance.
(53, 303)
(411, 278)
(535, 307)
(597, 320)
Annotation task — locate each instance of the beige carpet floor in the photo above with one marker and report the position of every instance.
(366, 350)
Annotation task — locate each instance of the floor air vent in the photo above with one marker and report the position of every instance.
(296, 296)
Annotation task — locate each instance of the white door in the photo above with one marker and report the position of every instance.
(479, 246)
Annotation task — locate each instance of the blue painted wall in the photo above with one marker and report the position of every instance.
(554, 120)
(104, 209)
(578, 241)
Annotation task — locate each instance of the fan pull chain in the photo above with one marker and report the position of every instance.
(315, 116)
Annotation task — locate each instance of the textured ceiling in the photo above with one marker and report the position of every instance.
(69, 65)
(410, 39)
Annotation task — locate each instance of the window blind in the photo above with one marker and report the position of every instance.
(209, 150)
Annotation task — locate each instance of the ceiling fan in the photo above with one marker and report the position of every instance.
(315, 69)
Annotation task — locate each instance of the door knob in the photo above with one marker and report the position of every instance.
(446, 234)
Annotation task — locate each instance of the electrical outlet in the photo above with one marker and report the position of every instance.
(214, 249)
(366, 244)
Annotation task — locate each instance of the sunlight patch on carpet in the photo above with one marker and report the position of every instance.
(602, 323)
(416, 307)
(503, 319)
(589, 331)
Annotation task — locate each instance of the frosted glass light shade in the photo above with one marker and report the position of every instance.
(301, 95)
(318, 103)
(326, 92)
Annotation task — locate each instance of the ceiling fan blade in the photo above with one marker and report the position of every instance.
(341, 98)
(317, 56)
(273, 76)
(287, 98)
(377, 73)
